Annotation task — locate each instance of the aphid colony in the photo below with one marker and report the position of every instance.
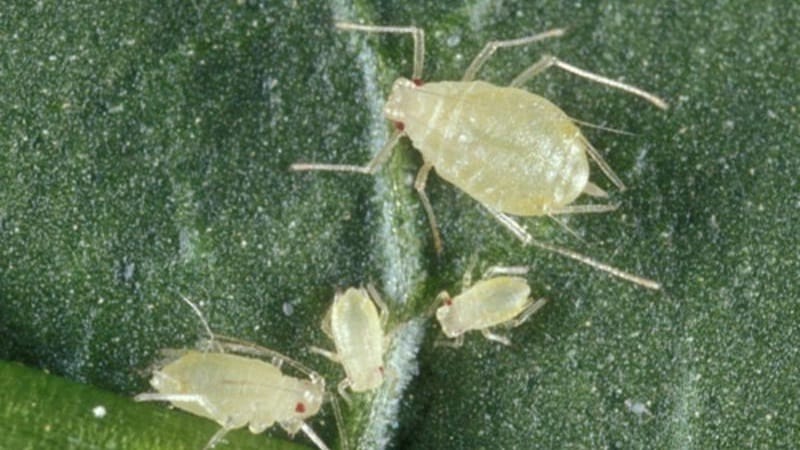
(512, 151)
(230, 382)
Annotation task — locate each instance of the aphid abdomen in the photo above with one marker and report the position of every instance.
(359, 339)
(511, 150)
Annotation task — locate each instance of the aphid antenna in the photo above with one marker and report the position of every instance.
(619, 273)
(527, 239)
(199, 314)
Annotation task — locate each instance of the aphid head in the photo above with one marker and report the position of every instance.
(447, 318)
(443, 311)
(310, 402)
(402, 102)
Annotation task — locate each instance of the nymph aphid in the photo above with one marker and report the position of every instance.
(500, 298)
(226, 382)
(357, 331)
(513, 151)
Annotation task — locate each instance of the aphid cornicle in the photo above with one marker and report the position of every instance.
(228, 383)
(513, 151)
(357, 331)
(500, 298)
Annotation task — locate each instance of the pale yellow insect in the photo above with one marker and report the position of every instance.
(235, 390)
(357, 331)
(500, 298)
(513, 151)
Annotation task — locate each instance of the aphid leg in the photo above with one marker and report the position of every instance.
(566, 227)
(309, 432)
(185, 398)
(456, 342)
(216, 438)
(382, 308)
(419, 185)
(495, 337)
(466, 279)
(342, 389)
(582, 209)
(325, 325)
(524, 315)
(505, 270)
(417, 33)
(607, 170)
(492, 46)
(326, 353)
(548, 61)
(368, 169)
(512, 225)
(594, 190)
(337, 415)
(527, 312)
(527, 239)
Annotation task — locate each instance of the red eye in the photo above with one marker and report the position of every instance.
(300, 408)
(418, 81)
(448, 302)
(400, 126)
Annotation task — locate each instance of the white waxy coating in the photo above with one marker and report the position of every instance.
(487, 303)
(358, 336)
(241, 391)
(511, 150)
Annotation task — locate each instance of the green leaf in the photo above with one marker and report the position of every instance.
(145, 156)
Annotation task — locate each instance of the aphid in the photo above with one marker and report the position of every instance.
(513, 151)
(501, 297)
(356, 328)
(638, 408)
(235, 390)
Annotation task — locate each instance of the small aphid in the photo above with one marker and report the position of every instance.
(512, 151)
(357, 331)
(499, 298)
(640, 409)
(235, 390)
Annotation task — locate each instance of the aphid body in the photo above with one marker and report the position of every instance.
(499, 300)
(513, 151)
(235, 391)
(230, 382)
(357, 330)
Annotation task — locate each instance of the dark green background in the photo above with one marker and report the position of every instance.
(145, 151)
